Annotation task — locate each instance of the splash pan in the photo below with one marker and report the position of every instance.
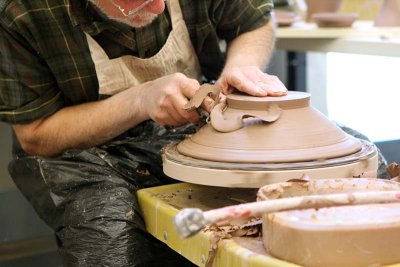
(247, 175)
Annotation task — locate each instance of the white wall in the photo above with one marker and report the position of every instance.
(364, 92)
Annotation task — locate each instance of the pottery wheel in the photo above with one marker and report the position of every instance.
(302, 141)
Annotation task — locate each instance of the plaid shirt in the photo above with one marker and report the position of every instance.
(45, 61)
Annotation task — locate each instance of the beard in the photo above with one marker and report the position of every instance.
(139, 19)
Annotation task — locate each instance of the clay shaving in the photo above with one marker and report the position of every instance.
(393, 171)
(227, 230)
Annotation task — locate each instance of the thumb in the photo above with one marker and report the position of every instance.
(223, 86)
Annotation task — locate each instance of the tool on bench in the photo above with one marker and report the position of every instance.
(190, 221)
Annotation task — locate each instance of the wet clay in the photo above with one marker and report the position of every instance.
(323, 187)
(227, 122)
(254, 141)
(278, 130)
(361, 235)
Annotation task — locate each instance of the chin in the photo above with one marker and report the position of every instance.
(138, 20)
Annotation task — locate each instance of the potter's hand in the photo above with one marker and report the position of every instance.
(164, 99)
(251, 80)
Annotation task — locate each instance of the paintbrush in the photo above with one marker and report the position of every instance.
(191, 220)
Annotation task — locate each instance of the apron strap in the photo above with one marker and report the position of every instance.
(175, 11)
(97, 52)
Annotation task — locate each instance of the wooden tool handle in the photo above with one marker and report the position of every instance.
(190, 221)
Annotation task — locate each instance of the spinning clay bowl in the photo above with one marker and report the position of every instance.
(253, 141)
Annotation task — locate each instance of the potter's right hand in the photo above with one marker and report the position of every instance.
(163, 99)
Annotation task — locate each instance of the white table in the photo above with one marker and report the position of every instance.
(361, 38)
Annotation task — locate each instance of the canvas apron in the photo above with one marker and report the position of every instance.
(177, 55)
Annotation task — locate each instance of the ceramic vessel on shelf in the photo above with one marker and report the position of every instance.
(360, 235)
(389, 15)
(325, 20)
(319, 6)
(285, 18)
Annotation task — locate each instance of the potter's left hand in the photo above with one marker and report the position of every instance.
(251, 80)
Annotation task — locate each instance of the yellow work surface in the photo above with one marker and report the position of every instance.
(161, 204)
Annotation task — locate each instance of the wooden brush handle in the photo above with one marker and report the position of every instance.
(190, 221)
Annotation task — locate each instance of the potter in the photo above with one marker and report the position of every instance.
(94, 89)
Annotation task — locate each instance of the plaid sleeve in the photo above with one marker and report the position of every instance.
(242, 16)
(28, 90)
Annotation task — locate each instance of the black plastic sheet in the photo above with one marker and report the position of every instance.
(88, 198)
(382, 163)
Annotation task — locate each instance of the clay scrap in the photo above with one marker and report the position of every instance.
(361, 235)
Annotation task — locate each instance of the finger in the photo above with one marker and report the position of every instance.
(165, 118)
(222, 98)
(188, 116)
(175, 114)
(189, 87)
(208, 104)
(243, 83)
(272, 85)
(223, 85)
(259, 78)
(174, 106)
(184, 114)
(175, 118)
